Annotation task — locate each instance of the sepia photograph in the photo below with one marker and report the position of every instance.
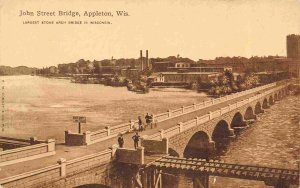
(150, 94)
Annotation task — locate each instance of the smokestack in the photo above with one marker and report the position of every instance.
(147, 61)
(141, 56)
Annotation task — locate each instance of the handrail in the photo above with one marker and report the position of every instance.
(5, 152)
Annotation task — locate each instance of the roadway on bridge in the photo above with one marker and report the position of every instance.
(71, 152)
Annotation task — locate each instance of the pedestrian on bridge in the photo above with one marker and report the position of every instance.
(140, 122)
(121, 141)
(136, 139)
(148, 119)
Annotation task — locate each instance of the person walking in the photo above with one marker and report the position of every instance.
(140, 122)
(121, 141)
(136, 139)
(148, 120)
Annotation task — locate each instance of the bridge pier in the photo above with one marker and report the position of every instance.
(231, 133)
(279, 183)
(201, 181)
(282, 184)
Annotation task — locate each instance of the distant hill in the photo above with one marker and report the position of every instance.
(20, 70)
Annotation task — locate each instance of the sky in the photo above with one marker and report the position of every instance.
(195, 29)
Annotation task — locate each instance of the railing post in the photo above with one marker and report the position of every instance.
(114, 150)
(180, 126)
(141, 153)
(194, 106)
(63, 164)
(210, 115)
(153, 120)
(197, 120)
(182, 109)
(107, 130)
(166, 144)
(169, 113)
(51, 145)
(87, 137)
(162, 133)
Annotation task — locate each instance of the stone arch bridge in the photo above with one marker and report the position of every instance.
(222, 125)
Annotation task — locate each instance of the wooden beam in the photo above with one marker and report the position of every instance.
(158, 183)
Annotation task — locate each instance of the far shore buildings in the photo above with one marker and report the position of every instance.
(187, 77)
(175, 69)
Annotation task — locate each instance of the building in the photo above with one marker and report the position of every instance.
(187, 77)
(199, 69)
(166, 66)
(269, 77)
(130, 73)
(293, 46)
(294, 68)
(293, 54)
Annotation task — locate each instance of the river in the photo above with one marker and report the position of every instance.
(44, 107)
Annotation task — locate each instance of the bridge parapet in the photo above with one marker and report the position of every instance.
(131, 156)
(26, 153)
(64, 168)
(155, 146)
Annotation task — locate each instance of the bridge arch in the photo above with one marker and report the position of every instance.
(237, 120)
(198, 146)
(271, 100)
(276, 97)
(258, 108)
(249, 113)
(221, 135)
(279, 94)
(285, 91)
(265, 103)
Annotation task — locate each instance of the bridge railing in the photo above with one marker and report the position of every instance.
(109, 132)
(42, 176)
(172, 131)
(215, 114)
(205, 118)
(188, 124)
(26, 153)
(210, 102)
(87, 162)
